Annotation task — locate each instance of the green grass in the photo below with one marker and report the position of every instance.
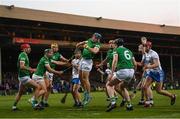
(96, 109)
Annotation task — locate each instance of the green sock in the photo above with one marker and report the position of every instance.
(113, 100)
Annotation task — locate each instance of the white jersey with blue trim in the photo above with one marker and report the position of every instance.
(75, 73)
(149, 57)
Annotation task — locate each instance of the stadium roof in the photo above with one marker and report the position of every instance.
(61, 18)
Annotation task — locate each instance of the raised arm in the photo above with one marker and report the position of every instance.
(94, 50)
(52, 70)
(81, 43)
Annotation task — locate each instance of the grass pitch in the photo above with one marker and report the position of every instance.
(96, 109)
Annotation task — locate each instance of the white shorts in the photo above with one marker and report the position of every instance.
(86, 65)
(24, 80)
(37, 78)
(124, 74)
(49, 76)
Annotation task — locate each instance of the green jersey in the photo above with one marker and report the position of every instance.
(41, 69)
(125, 58)
(22, 72)
(110, 57)
(56, 57)
(86, 53)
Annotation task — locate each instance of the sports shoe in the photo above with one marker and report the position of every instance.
(173, 100)
(14, 108)
(38, 107)
(80, 105)
(148, 104)
(129, 107)
(141, 102)
(42, 104)
(111, 107)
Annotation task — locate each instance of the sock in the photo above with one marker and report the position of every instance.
(113, 100)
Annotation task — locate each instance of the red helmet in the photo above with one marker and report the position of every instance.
(23, 46)
(148, 43)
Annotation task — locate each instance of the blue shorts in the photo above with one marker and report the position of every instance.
(157, 76)
(75, 81)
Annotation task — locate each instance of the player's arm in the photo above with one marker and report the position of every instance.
(59, 62)
(94, 50)
(102, 63)
(23, 67)
(114, 63)
(49, 69)
(64, 59)
(154, 65)
(81, 43)
(140, 64)
(100, 71)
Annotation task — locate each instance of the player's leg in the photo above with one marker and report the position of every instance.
(146, 87)
(108, 79)
(150, 98)
(18, 96)
(120, 92)
(110, 89)
(77, 94)
(140, 85)
(87, 87)
(126, 96)
(36, 92)
(160, 91)
(48, 83)
(73, 94)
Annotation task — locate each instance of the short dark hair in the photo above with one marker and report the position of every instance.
(119, 41)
